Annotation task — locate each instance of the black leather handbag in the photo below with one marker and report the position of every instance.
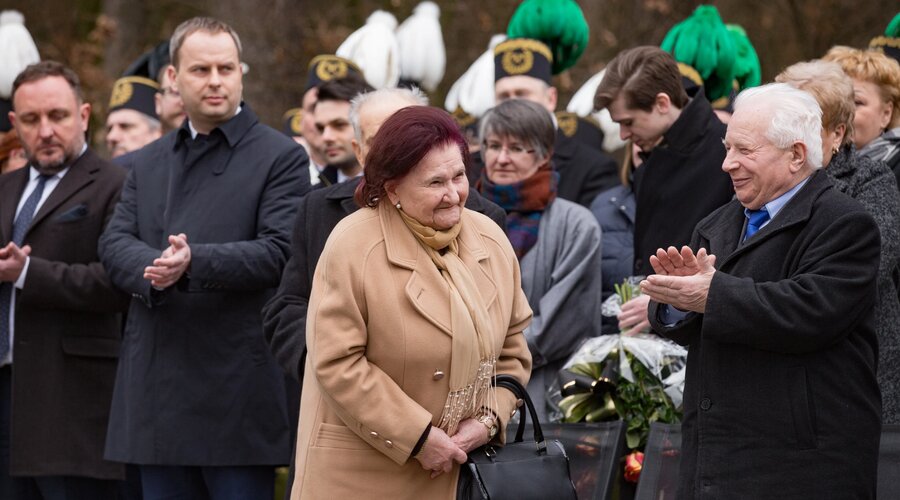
(521, 470)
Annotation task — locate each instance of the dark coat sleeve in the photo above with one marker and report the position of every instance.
(258, 263)
(122, 252)
(284, 316)
(840, 262)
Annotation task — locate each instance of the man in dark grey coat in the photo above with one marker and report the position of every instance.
(781, 399)
(199, 240)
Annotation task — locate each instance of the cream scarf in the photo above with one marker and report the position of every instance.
(473, 360)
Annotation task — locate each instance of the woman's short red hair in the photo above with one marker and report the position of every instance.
(401, 143)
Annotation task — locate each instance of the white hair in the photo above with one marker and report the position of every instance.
(413, 95)
(795, 117)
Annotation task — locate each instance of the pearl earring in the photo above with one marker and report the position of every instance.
(397, 205)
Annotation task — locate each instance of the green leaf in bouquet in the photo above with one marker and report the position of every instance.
(632, 439)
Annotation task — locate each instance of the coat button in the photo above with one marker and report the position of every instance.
(438, 375)
(388, 443)
(373, 434)
(705, 404)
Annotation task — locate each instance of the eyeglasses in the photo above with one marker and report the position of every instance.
(169, 91)
(513, 150)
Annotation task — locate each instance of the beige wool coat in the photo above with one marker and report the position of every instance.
(379, 345)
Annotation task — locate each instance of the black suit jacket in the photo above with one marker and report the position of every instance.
(284, 316)
(67, 326)
(781, 399)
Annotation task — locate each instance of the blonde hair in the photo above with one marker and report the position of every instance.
(831, 87)
(873, 67)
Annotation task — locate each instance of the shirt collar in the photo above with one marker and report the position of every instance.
(194, 131)
(775, 206)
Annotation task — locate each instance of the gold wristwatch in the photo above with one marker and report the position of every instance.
(491, 423)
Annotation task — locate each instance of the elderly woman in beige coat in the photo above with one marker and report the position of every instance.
(416, 303)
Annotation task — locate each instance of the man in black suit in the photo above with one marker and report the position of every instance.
(59, 322)
(199, 239)
(775, 298)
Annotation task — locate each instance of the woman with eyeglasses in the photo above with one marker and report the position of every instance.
(556, 241)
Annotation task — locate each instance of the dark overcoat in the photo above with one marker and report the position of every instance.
(67, 330)
(781, 399)
(284, 317)
(584, 172)
(680, 182)
(196, 384)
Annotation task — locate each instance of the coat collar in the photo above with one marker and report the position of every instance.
(728, 228)
(233, 130)
(343, 193)
(426, 289)
(690, 127)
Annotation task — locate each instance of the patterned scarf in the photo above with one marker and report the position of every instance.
(883, 147)
(472, 359)
(524, 202)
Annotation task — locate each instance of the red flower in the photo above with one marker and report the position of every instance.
(634, 462)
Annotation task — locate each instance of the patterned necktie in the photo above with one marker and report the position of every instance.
(20, 227)
(755, 220)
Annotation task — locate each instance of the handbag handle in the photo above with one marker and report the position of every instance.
(513, 385)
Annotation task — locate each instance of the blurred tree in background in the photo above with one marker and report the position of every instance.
(100, 38)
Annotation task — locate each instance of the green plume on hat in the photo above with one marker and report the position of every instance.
(746, 65)
(893, 28)
(558, 23)
(703, 42)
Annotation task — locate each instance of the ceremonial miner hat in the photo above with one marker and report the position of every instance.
(423, 57)
(151, 63)
(559, 24)
(326, 67)
(473, 92)
(290, 122)
(585, 130)
(702, 42)
(134, 92)
(375, 50)
(889, 43)
(525, 57)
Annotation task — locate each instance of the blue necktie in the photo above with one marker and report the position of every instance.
(755, 220)
(20, 227)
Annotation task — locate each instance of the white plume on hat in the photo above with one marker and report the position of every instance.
(17, 49)
(582, 104)
(374, 49)
(474, 91)
(423, 58)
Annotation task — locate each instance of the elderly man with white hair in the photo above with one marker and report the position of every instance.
(776, 305)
